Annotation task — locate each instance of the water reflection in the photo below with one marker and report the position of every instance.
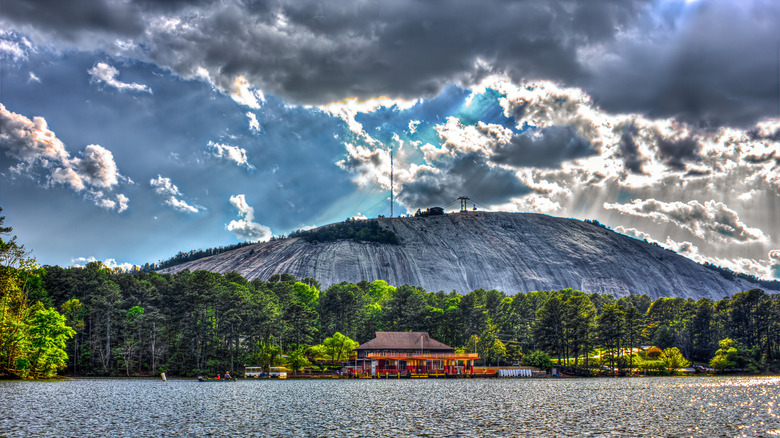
(701, 406)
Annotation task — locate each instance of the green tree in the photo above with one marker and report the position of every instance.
(337, 348)
(751, 319)
(634, 327)
(732, 354)
(380, 292)
(611, 330)
(493, 350)
(131, 343)
(580, 321)
(267, 356)
(307, 295)
(296, 358)
(549, 326)
(341, 309)
(407, 310)
(521, 317)
(538, 359)
(667, 319)
(74, 313)
(48, 335)
(30, 334)
(472, 316)
(673, 359)
(702, 330)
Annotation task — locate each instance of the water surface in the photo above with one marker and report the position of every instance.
(661, 407)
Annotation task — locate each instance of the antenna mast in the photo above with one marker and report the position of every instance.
(463, 206)
(391, 181)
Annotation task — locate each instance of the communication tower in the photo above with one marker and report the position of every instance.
(463, 203)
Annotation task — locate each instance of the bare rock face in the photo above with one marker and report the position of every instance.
(511, 252)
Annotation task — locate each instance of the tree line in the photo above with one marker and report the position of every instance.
(100, 321)
(32, 334)
(351, 229)
(202, 322)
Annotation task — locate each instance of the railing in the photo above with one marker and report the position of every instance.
(414, 371)
(461, 356)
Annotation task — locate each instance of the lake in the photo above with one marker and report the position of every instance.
(598, 407)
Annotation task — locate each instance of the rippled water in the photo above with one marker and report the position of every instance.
(663, 407)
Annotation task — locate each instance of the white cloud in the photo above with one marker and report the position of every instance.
(14, 46)
(80, 262)
(536, 203)
(633, 232)
(230, 153)
(709, 220)
(573, 146)
(630, 154)
(10, 49)
(105, 201)
(180, 205)
(102, 73)
(122, 202)
(348, 109)
(246, 228)
(30, 140)
(413, 124)
(164, 186)
(628, 147)
(167, 189)
(719, 174)
(38, 148)
(371, 166)
(97, 166)
(244, 95)
(254, 125)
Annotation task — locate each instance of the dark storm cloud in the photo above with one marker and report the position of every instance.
(547, 148)
(323, 51)
(675, 153)
(756, 134)
(710, 62)
(629, 151)
(71, 18)
(68, 19)
(466, 175)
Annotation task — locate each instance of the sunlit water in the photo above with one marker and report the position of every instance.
(603, 407)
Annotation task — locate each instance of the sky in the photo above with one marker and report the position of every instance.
(131, 130)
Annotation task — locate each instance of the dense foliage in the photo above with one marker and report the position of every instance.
(32, 334)
(202, 322)
(98, 321)
(360, 230)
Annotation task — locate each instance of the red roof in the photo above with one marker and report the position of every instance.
(404, 341)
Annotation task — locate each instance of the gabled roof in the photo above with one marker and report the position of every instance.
(404, 341)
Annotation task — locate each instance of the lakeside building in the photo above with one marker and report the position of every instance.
(410, 354)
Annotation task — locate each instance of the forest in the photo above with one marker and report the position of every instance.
(96, 321)
(351, 229)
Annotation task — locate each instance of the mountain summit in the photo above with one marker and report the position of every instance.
(511, 252)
